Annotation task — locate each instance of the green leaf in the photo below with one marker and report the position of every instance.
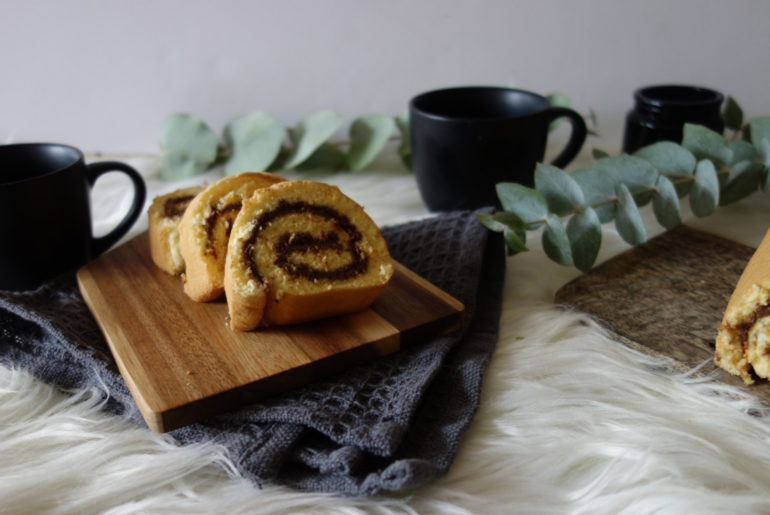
(665, 203)
(673, 160)
(760, 129)
(177, 164)
(526, 203)
(404, 148)
(368, 136)
(557, 100)
(763, 149)
(562, 194)
(598, 153)
(255, 141)
(189, 147)
(634, 172)
(311, 133)
(704, 197)
(584, 231)
(733, 114)
(628, 221)
(555, 241)
(706, 144)
(501, 221)
(515, 241)
(598, 190)
(326, 157)
(745, 179)
(743, 151)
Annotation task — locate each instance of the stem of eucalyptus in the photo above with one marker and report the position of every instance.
(682, 179)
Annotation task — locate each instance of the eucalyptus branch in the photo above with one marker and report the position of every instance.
(257, 142)
(705, 167)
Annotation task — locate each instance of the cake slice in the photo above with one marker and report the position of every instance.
(299, 251)
(743, 337)
(163, 227)
(205, 228)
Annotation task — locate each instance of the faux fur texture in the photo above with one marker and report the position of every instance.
(570, 422)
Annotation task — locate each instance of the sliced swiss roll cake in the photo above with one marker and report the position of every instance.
(743, 337)
(205, 228)
(163, 227)
(299, 251)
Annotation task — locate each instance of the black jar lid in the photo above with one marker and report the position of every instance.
(678, 99)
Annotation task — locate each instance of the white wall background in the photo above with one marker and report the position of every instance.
(102, 75)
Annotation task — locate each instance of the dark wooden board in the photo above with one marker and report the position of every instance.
(182, 363)
(666, 297)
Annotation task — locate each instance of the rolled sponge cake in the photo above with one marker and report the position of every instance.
(205, 228)
(163, 218)
(300, 251)
(743, 337)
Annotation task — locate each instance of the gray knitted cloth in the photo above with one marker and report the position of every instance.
(390, 424)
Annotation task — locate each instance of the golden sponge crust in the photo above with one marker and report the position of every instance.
(299, 251)
(163, 218)
(743, 337)
(204, 231)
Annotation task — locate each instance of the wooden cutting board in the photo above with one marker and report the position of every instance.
(182, 363)
(666, 297)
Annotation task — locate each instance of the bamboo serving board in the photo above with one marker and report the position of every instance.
(666, 297)
(182, 363)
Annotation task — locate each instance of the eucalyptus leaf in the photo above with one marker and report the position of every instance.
(254, 141)
(368, 136)
(189, 147)
(745, 179)
(311, 133)
(764, 155)
(562, 194)
(665, 203)
(584, 231)
(526, 203)
(515, 241)
(704, 197)
(628, 221)
(177, 164)
(760, 129)
(598, 191)
(501, 221)
(733, 114)
(326, 157)
(404, 148)
(763, 149)
(673, 160)
(743, 151)
(555, 241)
(706, 144)
(635, 173)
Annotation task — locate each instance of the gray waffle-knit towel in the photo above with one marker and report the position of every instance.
(390, 424)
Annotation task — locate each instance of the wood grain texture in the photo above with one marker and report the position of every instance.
(666, 297)
(182, 363)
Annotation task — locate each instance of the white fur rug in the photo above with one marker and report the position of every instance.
(570, 421)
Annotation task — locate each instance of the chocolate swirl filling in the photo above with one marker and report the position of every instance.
(302, 242)
(230, 211)
(174, 207)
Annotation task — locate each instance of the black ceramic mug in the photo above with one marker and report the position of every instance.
(465, 140)
(45, 212)
(660, 112)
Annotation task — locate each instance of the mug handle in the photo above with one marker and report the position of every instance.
(577, 138)
(93, 171)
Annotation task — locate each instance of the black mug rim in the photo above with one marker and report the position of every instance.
(79, 157)
(678, 96)
(416, 100)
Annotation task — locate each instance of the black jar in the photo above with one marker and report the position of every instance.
(660, 112)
